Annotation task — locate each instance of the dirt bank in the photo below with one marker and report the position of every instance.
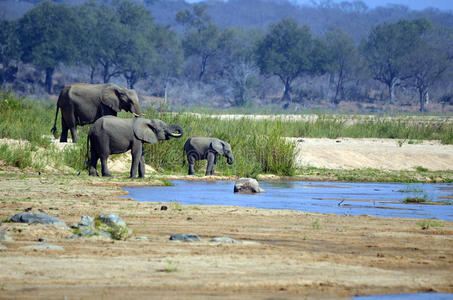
(283, 254)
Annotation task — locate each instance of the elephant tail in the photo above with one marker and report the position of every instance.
(87, 156)
(54, 128)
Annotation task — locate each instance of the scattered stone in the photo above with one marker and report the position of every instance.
(28, 209)
(185, 237)
(112, 220)
(224, 240)
(44, 247)
(163, 207)
(2, 247)
(36, 218)
(108, 226)
(247, 186)
(142, 238)
(4, 236)
(42, 240)
(189, 219)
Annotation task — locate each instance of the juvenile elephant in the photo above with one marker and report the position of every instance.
(83, 104)
(113, 135)
(198, 148)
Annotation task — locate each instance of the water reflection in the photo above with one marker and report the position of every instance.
(377, 199)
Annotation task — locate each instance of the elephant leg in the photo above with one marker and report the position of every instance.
(105, 168)
(136, 152)
(191, 159)
(64, 132)
(141, 165)
(211, 164)
(74, 134)
(93, 163)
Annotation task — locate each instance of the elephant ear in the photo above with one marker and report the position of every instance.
(143, 131)
(110, 97)
(217, 146)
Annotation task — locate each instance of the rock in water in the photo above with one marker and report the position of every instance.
(247, 186)
(36, 218)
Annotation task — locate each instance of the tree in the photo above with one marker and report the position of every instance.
(48, 36)
(343, 57)
(202, 39)
(9, 50)
(287, 52)
(428, 62)
(100, 38)
(136, 50)
(388, 48)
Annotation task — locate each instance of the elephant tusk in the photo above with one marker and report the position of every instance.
(137, 115)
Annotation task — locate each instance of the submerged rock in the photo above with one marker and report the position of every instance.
(185, 237)
(36, 219)
(247, 186)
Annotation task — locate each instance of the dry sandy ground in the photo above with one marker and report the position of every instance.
(386, 154)
(282, 255)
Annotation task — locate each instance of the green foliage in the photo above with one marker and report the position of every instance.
(288, 52)
(426, 224)
(19, 115)
(258, 146)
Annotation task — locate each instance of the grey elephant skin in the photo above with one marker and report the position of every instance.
(199, 148)
(82, 104)
(113, 135)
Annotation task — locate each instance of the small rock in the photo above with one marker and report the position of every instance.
(36, 218)
(185, 237)
(86, 221)
(2, 247)
(247, 186)
(112, 220)
(142, 238)
(163, 207)
(44, 247)
(4, 236)
(42, 240)
(224, 240)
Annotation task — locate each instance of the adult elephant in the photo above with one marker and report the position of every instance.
(113, 135)
(199, 148)
(83, 104)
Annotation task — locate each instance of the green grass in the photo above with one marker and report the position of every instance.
(426, 224)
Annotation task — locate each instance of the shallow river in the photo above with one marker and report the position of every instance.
(342, 198)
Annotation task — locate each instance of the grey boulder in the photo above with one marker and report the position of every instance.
(36, 219)
(185, 237)
(247, 186)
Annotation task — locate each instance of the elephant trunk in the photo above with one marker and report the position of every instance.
(230, 160)
(175, 131)
(135, 109)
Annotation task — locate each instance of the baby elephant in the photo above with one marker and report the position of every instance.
(113, 135)
(198, 148)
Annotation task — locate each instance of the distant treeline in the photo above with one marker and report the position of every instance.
(225, 65)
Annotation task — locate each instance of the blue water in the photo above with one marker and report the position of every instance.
(342, 198)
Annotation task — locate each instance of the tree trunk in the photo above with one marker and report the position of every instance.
(204, 61)
(421, 98)
(93, 69)
(49, 78)
(393, 83)
(106, 74)
(287, 91)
